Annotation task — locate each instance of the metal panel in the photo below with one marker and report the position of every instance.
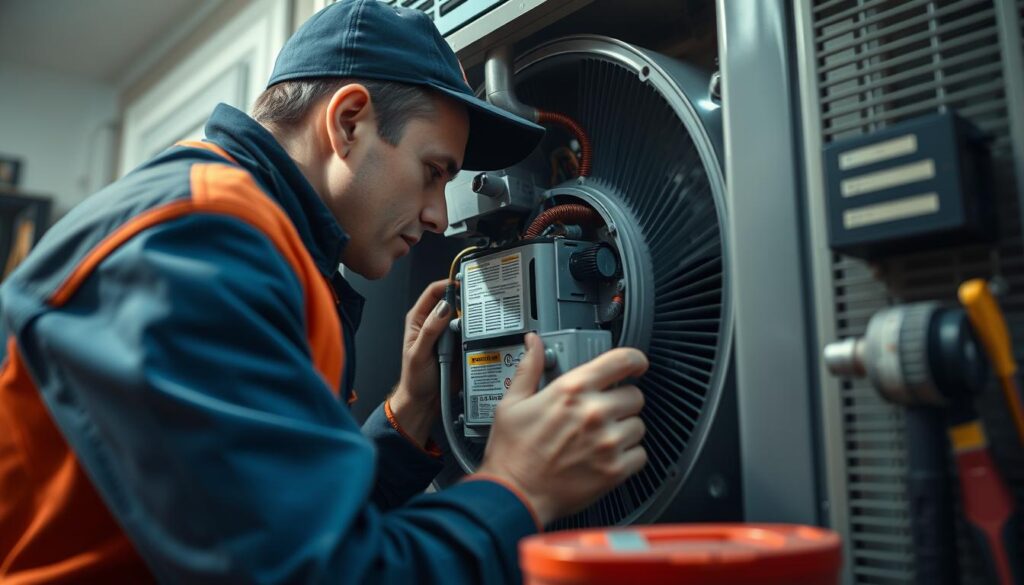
(867, 64)
(506, 24)
(774, 353)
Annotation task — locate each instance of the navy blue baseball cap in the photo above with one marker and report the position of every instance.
(368, 39)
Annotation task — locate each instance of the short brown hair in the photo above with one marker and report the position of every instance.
(286, 104)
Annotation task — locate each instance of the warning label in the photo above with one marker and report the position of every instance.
(493, 292)
(489, 374)
(482, 359)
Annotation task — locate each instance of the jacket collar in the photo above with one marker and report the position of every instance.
(258, 152)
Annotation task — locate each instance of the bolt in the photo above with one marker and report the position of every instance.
(550, 359)
(479, 182)
(717, 487)
(612, 228)
(715, 86)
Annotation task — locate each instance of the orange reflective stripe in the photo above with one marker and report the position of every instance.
(46, 499)
(207, 146)
(113, 241)
(45, 496)
(232, 191)
(431, 448)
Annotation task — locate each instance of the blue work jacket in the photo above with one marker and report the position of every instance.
(177, 364)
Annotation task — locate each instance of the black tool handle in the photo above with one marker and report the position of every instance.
(931, 501)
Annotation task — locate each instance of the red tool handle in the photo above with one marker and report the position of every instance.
(989, 507)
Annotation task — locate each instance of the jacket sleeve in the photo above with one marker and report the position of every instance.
(404, 468)
(181, 376)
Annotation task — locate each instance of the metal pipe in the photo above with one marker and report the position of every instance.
(445, 358)
(498, 83)
(454, 441)
(490, 185)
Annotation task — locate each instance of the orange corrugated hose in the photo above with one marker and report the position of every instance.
(568, 213)
(586, 150)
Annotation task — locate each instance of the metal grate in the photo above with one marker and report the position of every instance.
(879, 62)
(449, 15)
(673, 203)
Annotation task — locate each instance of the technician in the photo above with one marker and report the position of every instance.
(179, 348)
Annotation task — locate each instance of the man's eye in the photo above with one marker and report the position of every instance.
(435, 173)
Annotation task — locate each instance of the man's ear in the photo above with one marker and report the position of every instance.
(349, 116)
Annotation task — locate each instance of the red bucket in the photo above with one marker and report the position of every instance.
(692, 554)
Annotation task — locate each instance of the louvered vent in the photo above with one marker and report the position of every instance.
(657, 182)
(879, 62)
(448, 15)
(648, 162)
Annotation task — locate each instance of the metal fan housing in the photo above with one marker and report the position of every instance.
(657, 183)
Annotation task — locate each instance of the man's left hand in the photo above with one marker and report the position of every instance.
(415, 401)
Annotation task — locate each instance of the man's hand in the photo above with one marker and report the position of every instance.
(567, 444)
(415, 402)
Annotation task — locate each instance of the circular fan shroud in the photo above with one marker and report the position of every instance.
(655, 174)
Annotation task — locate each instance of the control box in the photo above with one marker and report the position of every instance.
(488, 372)
(548, 285)
(918, 184)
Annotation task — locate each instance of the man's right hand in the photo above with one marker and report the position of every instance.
(574, 440)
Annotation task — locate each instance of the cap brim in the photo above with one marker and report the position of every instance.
(497, 138)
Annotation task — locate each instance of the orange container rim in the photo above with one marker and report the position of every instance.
(654, 553)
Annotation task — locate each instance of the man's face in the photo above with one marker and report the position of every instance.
(391, 194)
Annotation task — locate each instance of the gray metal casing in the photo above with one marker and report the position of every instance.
(775, 348)
(545, 268)
(563, 350)
(466, 207)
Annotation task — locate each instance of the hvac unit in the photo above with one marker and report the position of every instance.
(713, 213)
(732, 428)
(618, 228)
(641, 85)
(864, 68)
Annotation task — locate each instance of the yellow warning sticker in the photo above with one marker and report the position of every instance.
(483, 359)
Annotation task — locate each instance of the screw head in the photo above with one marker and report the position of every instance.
(717, 487)
(550, 359)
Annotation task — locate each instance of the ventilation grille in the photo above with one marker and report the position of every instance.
(448, 15)
(879, 62)
(645, 155)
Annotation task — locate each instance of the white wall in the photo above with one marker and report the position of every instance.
(230, 66)
(62, 128)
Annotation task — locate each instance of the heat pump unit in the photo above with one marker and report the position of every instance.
(614, 233)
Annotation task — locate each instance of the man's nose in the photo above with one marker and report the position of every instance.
(435, 214)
